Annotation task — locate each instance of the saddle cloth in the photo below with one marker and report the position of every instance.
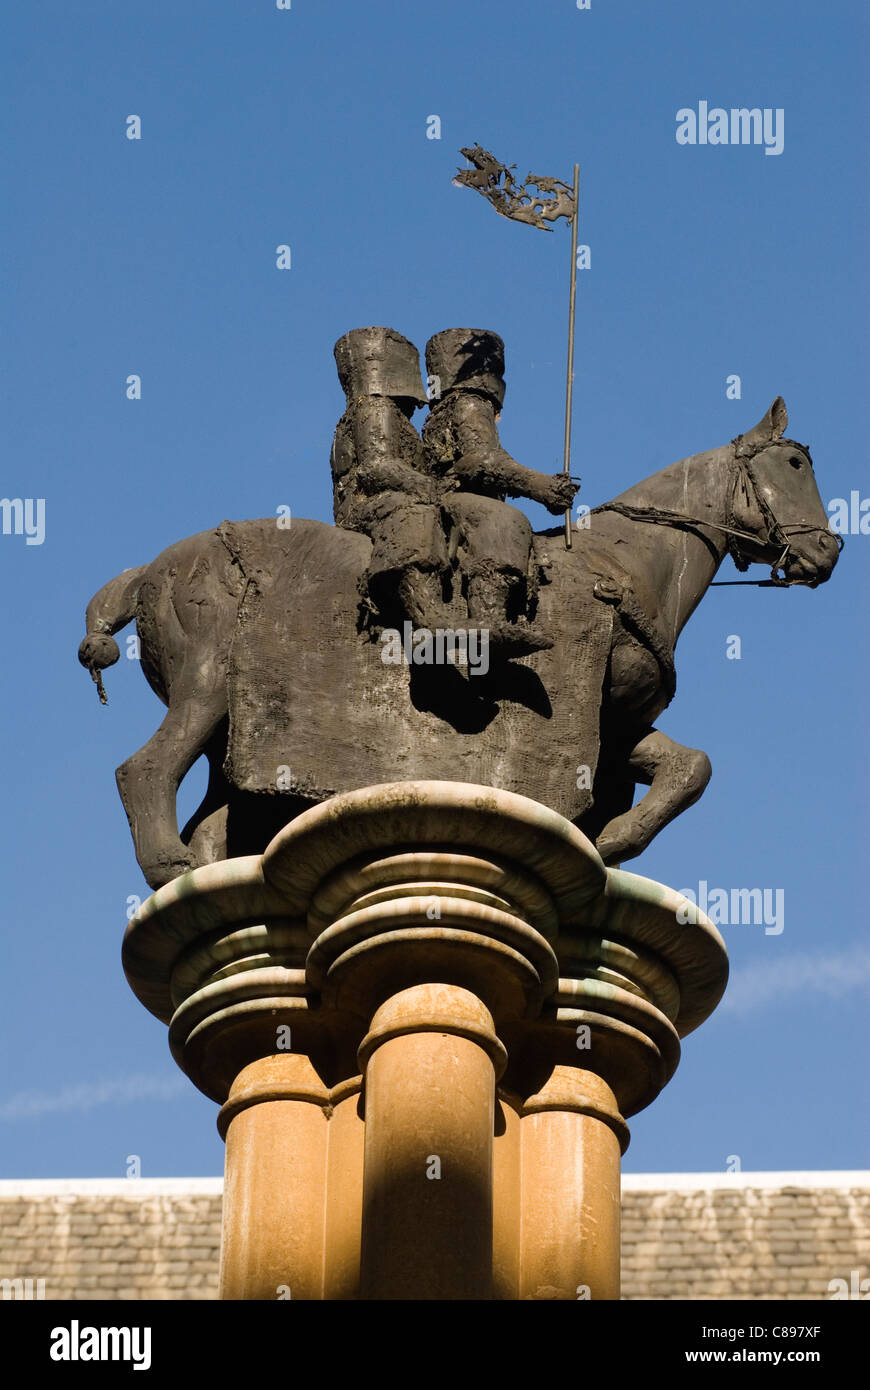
(315, 710)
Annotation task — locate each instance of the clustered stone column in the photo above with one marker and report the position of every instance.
(425, 1011)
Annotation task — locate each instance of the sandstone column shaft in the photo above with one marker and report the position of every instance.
(344, 1181)
(507, 1200)
(275, 1125)
(570, 1185)
(429, 1099)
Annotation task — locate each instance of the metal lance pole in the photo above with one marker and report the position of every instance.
(569, 389)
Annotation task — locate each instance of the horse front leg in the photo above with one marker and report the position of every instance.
(676, 777)
(149, 781)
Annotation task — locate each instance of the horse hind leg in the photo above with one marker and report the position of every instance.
(149, 780)
(206, 832)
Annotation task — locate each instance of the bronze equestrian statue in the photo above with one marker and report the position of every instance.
(253, 637)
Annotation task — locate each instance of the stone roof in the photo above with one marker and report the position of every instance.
(684, 1236)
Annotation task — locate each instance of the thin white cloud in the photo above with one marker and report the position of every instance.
(27, 1105)
(835, 974)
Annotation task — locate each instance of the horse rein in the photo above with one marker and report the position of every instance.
(777, 534)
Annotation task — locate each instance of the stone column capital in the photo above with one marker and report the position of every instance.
(402, 884)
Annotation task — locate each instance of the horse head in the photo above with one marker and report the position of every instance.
(777, 515)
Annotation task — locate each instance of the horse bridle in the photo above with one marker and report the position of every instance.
(777, 534)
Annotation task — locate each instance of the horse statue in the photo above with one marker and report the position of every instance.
(251, 636)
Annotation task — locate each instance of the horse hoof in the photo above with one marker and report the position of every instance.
(158, 875)
(614, 850)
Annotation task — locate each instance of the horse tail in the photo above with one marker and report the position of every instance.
(108, 611)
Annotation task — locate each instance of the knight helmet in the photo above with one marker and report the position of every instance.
(379, 362)
(467, 359)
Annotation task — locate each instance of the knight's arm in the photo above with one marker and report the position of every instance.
(484, 463)
(385, 451)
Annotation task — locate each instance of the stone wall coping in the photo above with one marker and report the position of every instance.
(111, 1187)
(697, 1182)
(142, 1188)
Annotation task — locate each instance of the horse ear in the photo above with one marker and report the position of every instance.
(772, 426)
(778, 416)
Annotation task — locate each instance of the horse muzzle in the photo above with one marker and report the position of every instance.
(812, 563)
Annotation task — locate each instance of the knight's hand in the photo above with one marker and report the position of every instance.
(561, 493)
(387, 475)
(467, 469)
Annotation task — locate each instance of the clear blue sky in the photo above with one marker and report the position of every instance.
(157, 257)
